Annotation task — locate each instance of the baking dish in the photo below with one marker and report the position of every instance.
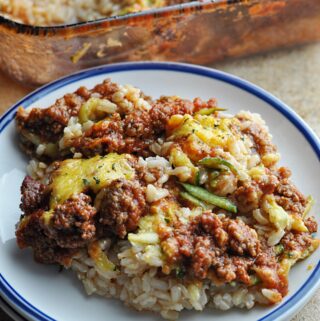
(195, 32)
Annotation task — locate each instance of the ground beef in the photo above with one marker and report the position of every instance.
(102, 138)
(289, 197)
(72, 224)
(122, 205)
(126, 132)
(34, 195)
(311, 224)
(212, 224)
(70, 228)
(242, 238)
(284, 172)
(247, 197)
(48, 124)
(209, 244)
(267, 256)
(259, 135)
(201, 104)
(166, 107)
(83, 92)
(203, 253)
(106, 89)
(133, 132)
(269, 183)
(296, 242)
(31, 233)
(138, 124)
(230, 268)
(266, 267)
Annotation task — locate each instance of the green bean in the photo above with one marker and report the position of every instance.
(193, 200)
(217, 163)
(197, 177)
(210, 198)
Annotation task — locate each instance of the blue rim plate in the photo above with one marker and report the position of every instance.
(281, 312)
(10, 311)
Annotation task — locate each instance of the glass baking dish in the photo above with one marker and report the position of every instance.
(195, 32)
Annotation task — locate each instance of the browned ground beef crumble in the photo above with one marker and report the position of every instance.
(132, 132)
(211, 244)
(34, 195)
(122, 206)
(73, 222)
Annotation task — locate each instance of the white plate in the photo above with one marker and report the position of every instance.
(39, 292)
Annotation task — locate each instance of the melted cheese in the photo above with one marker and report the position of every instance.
(77, 175)
(100, 258)
(211, 130)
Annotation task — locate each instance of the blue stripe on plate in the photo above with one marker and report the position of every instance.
(16, 300)
(8, 292)
(9, 311)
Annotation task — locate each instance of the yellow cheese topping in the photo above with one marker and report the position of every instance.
(76, 175)
(100, 258)
(211, 130)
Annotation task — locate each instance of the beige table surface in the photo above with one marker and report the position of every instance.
(291, 75)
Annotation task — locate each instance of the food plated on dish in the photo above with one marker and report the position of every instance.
(166, 204)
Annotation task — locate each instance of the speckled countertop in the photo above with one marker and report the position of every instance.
(291, 75)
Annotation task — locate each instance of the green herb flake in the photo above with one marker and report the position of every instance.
(254, 280)
(167, 220)
(85, 181)
(290, 255)
(279, 249)
(180, 273)
(97, 180)
(113, 166)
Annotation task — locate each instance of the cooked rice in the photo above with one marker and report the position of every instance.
(53, 12)
(138, 286)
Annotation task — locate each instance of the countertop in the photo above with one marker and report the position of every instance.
(291, 75)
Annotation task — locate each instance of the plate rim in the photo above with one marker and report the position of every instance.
(6, 308)
(284, 310)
